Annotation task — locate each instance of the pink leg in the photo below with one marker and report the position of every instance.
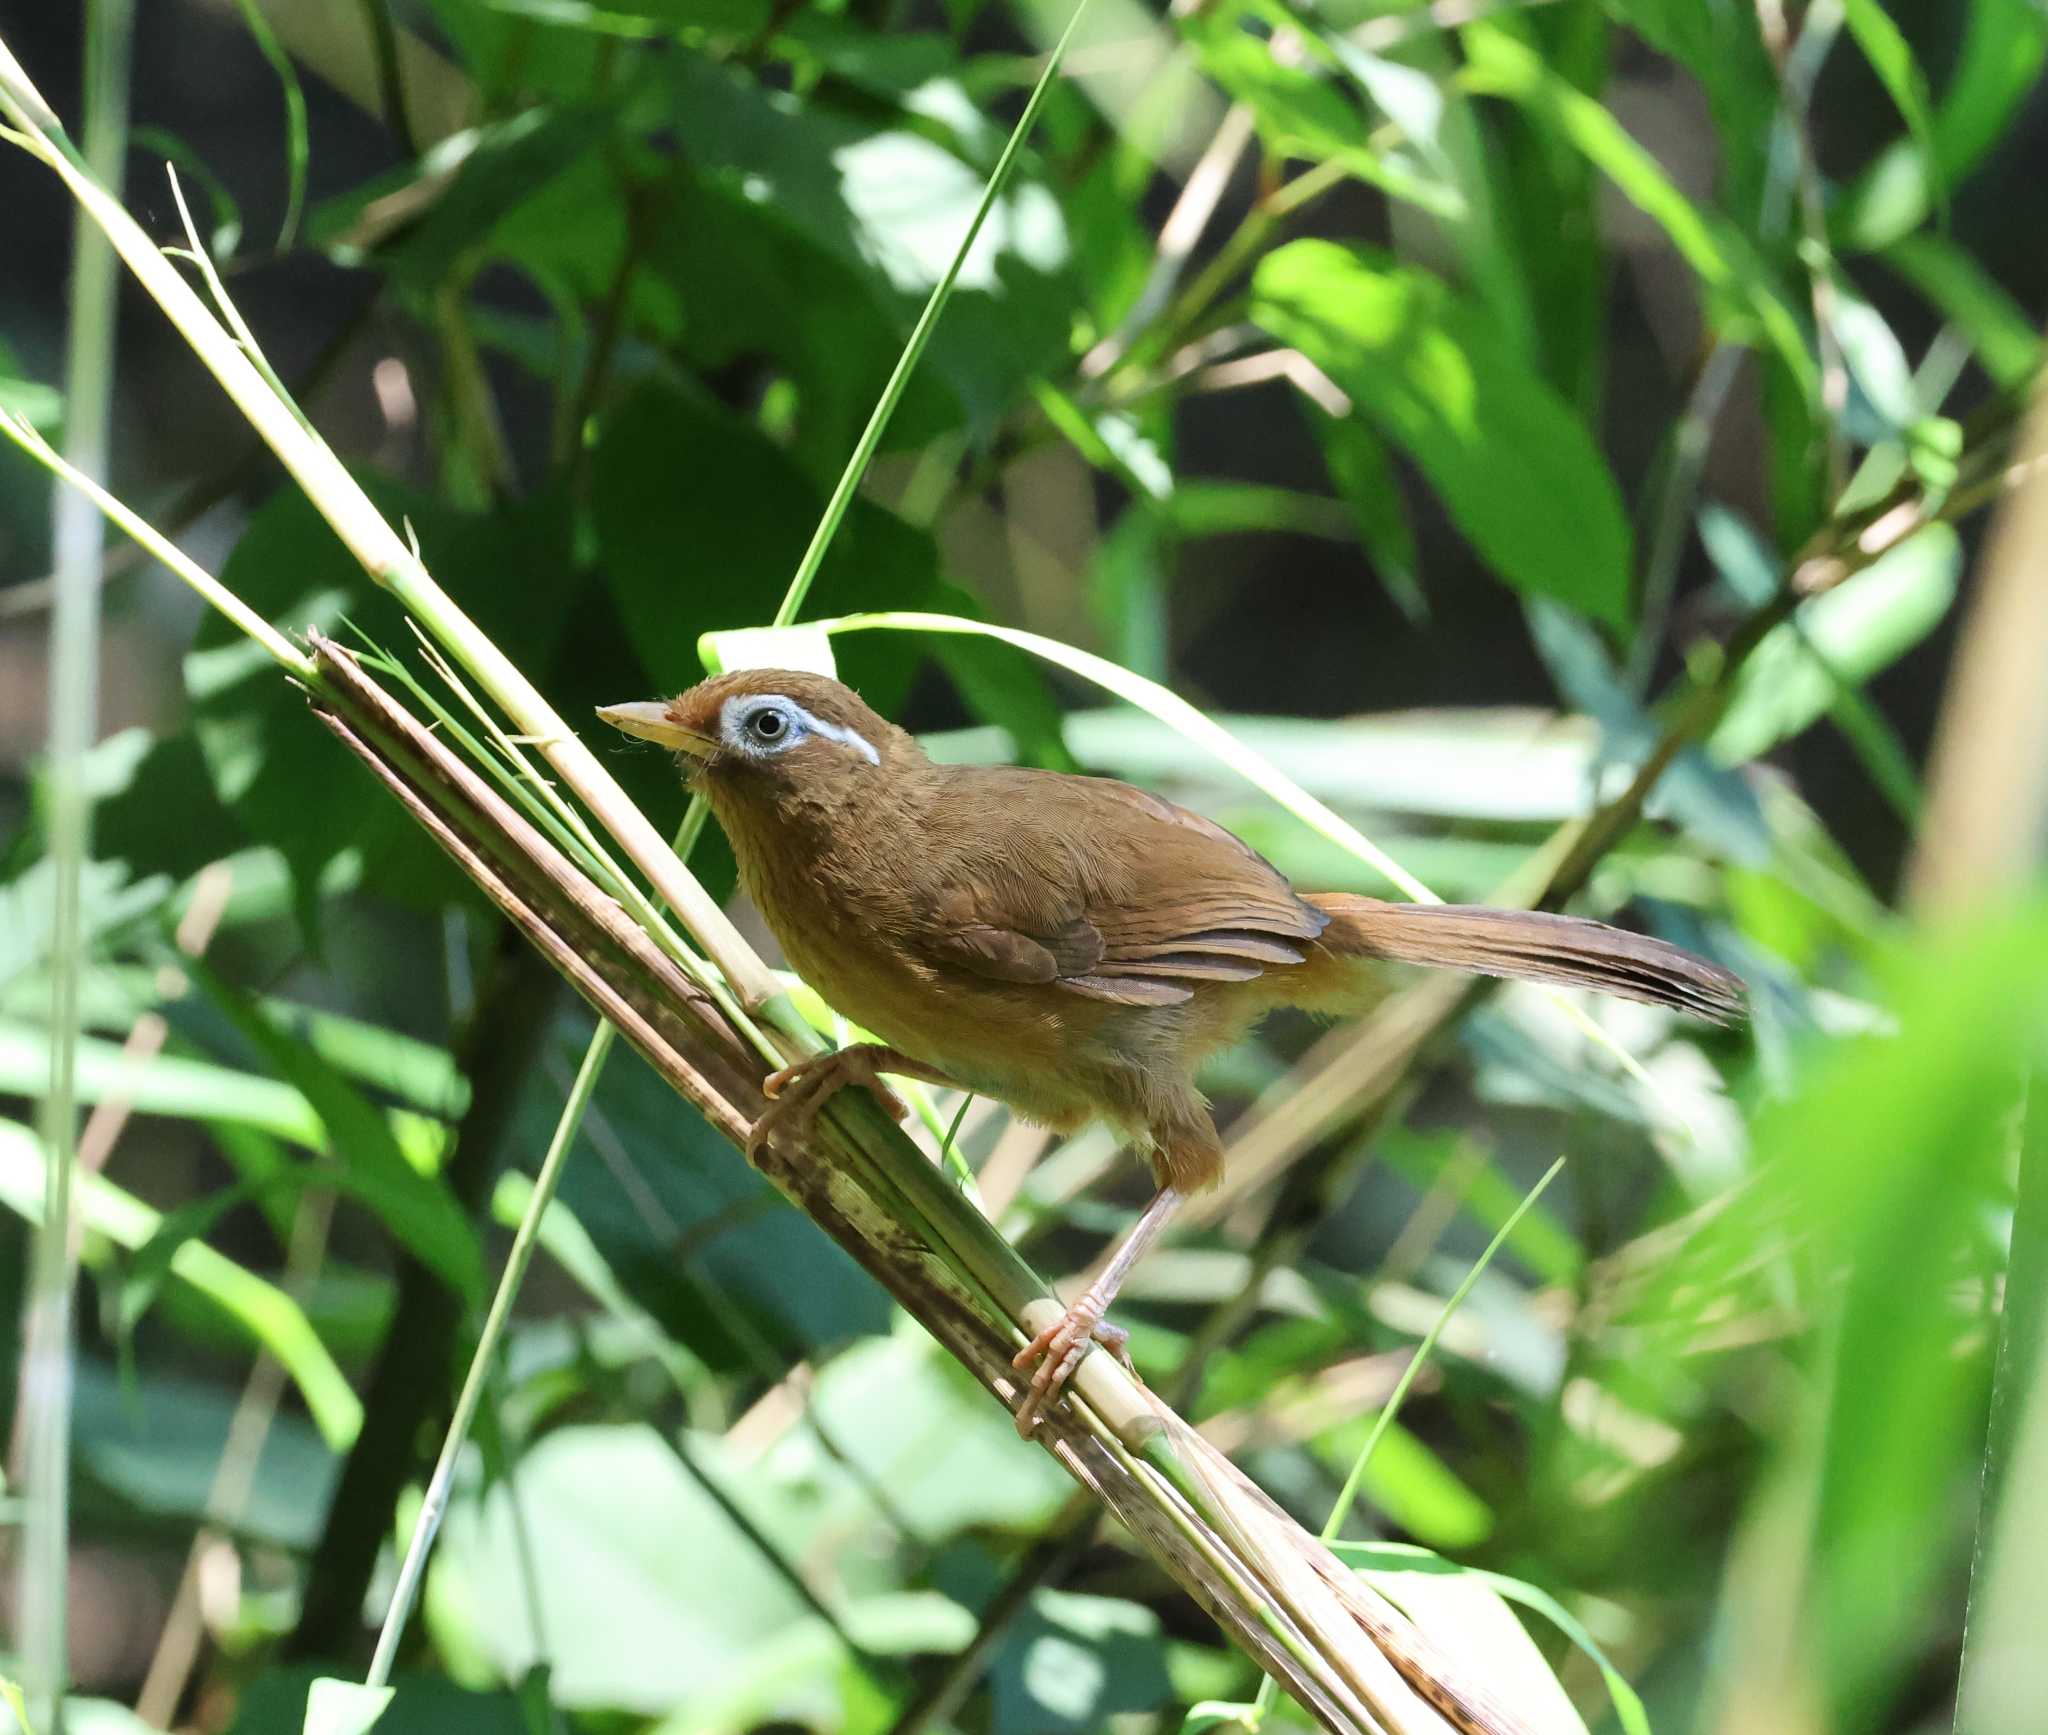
(797, 1093)
(1058, 1349)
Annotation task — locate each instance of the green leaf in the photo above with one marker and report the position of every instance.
(1411, 1484)
(335, 1707)
(1747, 305)
(1515, 468)
(757, 1286)
(702, 519)
(1892, 60)
(1074, 1662)
(151, 1266)
(1304, 113)
(165, 1084)
(1364, 477)
(269, 1316)
(888, 206)
(157, 1440)
(1210, 1716)
(633, 1618)
(459, 191)
(1997, 68)
(282, 775)
(1723, 47)
(279, 1700)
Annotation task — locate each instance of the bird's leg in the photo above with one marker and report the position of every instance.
(1058, 1349)
(797, 1093)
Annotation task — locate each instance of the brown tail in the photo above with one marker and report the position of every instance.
(1566, 950)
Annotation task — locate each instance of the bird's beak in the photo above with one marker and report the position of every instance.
(650, 721)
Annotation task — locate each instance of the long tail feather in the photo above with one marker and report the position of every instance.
(1569, 951)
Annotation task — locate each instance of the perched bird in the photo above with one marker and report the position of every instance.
(1070, 946)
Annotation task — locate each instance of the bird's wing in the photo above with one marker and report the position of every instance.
(1106, 891)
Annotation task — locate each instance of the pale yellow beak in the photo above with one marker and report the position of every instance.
(649, 720)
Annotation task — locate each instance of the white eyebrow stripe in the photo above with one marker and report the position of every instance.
(839, 732)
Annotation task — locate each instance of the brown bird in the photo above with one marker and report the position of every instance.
(1071, 946)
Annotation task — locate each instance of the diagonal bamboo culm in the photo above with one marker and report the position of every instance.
(1339, 1648)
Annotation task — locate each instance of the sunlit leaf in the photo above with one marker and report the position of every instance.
(265, 1312)
(335, 1707)
(1516, 469)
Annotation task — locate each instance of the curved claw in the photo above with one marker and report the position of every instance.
(797, 1093)
(1056, 1352)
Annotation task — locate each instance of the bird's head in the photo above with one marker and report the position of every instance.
(766, 735)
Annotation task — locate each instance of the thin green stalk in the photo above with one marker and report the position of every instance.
(159, 547)
(920, 335)
(1385, 1420)
(1348, 1494)
(435, 1505)
(74, 714)
(296, 151)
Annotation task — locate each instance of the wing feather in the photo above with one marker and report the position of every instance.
(1113, 894)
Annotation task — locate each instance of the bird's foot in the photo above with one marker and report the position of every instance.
(1056, 1352)
(797, 1093)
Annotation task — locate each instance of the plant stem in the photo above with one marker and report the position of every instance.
(436, 1501)
(44, 1595)
(497, 1053)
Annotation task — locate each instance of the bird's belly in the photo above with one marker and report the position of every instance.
(1000, 1040)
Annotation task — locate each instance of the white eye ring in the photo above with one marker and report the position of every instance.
(786, 722)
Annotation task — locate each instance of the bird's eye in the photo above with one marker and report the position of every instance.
(768, 725)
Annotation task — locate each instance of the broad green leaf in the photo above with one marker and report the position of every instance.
(702, 519)
(887, 207)
(456, 194)
(284, 777)
(1892, 60)
(1072, 1663)
(266, 1313)
(109, 901)
(278, 1702)
(636, 1616)
(335, 1707)
(1364, 478)
(702, 1244)
(156, 1439)
(1748, 305)
(1212, 1716)
(1516, 469)
(165, 1084)
(1996, 69)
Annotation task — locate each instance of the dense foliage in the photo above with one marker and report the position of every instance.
(1508, 362)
